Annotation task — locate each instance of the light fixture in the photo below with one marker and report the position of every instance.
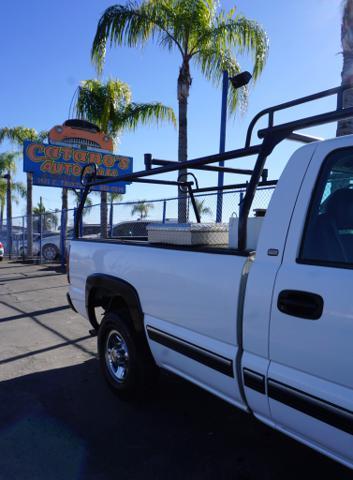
(241, 79)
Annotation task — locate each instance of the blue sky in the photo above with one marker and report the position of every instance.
(46, 53)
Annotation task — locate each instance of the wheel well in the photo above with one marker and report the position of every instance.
(111, 293)
(100, 298)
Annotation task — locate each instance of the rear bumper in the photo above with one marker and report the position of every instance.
(69, 301)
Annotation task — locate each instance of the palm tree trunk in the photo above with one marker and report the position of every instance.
(345, 127)
(29, 216)
(104, 215)
(64, 199)
(2, 214)
(184, 82)
(111, 215)
(9, 214)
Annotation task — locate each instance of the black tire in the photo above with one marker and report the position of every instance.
(138, 371)
(50, 252)
(1, 259)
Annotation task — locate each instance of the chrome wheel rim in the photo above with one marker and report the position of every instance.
(116, 356)
(49, 253)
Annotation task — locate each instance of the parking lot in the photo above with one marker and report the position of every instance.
(58, 420)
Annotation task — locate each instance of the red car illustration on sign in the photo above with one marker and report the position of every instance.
(80, 132)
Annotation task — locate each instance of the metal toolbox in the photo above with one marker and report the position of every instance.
(188, 233)
(253, 233)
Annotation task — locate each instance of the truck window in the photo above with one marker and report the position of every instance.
(328, 234)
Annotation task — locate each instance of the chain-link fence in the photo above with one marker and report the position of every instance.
(51, 232)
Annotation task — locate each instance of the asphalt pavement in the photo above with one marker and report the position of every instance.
(59, 421)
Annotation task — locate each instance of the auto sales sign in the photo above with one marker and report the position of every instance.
(60, 166)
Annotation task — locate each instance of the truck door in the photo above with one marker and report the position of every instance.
(310, 379)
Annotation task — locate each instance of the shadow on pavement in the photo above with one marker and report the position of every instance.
(45, 326)
(66, 424)
(14, 265)
(24, 276)
(36, 313)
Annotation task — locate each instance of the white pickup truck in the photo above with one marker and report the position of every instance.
(270, 331)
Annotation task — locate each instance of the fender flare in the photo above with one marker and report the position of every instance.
(100, 285)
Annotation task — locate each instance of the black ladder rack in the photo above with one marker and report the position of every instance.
(271, 137)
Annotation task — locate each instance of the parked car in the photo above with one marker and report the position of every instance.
(51, 244)
(19, 244)
(133, 229)
(2, 252)
(268, 329)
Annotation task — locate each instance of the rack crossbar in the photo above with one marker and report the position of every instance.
(211, 168)
(189, 164)
(307, 122)
(237, 186)
(298, 137)
(339, 91)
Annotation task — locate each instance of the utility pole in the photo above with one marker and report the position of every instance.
(7, 176)
(29, 215)
(237, 81)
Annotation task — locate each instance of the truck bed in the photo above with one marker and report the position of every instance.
(165, 277)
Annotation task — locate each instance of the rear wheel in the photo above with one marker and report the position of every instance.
(125, 361)
(50, 252)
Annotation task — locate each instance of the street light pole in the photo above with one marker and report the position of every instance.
(237, 81)
(222, 144)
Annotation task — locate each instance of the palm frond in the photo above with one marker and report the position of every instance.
(197, 27)
(142, 208)
(142, 113)
(115, 197)
(19, 188)
(239, 34)
(109, 106)
(200, 205)
(8, 162)
(133, 25)
(98, 101)
(213, 63)
(19, 134)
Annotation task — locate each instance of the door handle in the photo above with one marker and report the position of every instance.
(300, 304)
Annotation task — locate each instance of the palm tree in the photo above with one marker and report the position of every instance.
(18, 189)
(109, 106)
(345, 127)
(200, 205)
(48, 218)
(7, 169)
(18, 135)
(199, 31)
(142, 208)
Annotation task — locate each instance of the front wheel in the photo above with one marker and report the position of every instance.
(126, 363)
(50, 252)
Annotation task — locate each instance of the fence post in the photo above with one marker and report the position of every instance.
(111, 218)
(24, 244)
(40, 239)
(164, 210)
(63, 222)
(75, 213)
(81, 226)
